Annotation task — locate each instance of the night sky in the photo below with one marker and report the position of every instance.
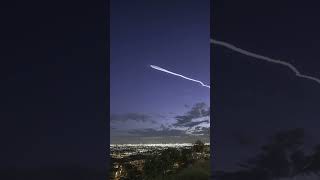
(149, 106)
(252, 99)
(53, 108)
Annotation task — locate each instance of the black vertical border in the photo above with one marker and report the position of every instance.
(212, 119)
(32, 22)
(108, 88)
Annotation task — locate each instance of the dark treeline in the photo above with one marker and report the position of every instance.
(284, 156)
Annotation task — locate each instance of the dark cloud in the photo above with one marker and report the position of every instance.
(163, 132)
(139, 117)
(201, 130)
(192, 124)
(197, 111)
(182, 129)
(163, 127)
(161, 116)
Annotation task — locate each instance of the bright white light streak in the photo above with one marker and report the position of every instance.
(251, 54)
(176, 74)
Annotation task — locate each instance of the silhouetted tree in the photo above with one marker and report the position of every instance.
(132, 172)
(186, 157)
(152, 168)
(161, 164)
(313, 162)
(198, 146)
(282, 157)
(279, 158)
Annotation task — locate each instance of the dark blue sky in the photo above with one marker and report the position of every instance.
(169, 34)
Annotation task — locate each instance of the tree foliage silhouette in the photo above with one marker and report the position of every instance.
(282, 157)
(198, 146)
(161, 164)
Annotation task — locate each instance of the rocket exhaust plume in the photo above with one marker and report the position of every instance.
(264, 58)
(176, 74)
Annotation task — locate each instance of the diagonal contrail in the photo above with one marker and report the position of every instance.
(164, 70)
(251, 54)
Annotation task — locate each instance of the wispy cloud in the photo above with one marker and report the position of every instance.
(201, 131)
(139, 117)
(195, 123)
(150, 132)
(198, 114)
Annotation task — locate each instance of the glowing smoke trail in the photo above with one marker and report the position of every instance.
(251, 54)
(164, 70)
